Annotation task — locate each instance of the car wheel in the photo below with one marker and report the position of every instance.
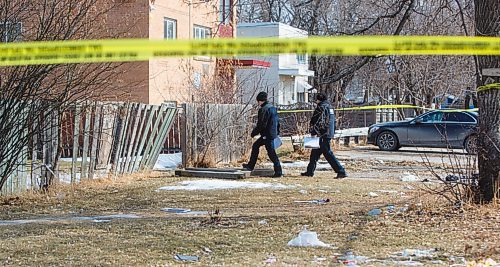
(470, 144)
(388, 141)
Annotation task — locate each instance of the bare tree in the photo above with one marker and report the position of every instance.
(336, 75)
(487, 19)
(30, 94)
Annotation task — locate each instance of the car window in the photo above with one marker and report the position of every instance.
(457, 117)
(433, 117)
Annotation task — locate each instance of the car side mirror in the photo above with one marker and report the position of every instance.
(418, 120)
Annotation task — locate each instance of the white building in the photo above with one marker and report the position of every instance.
(286, 79)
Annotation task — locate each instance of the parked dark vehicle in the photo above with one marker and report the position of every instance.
(437, 128)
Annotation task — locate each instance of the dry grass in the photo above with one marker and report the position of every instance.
(235, 236)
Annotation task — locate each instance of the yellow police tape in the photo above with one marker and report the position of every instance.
(88, 51)
(488, 87)
(380, 107)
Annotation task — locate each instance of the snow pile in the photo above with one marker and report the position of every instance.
(408, 177)
(168, 161)
(307, 238)
(208, 184)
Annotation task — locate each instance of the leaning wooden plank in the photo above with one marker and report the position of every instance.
(160, 141)
(24, 184)
(76, 143)
(95, 139)
(24, 154)
(153, 135)
(85, 144)
(35, 167)
(166, 126)
(123, 114)
(141, 135)
(125, 137)
(131, 146)
(208, 174)
(145, 136)
(55, 144)
(106, 137)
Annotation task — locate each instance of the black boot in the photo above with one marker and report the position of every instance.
(246, 167)
(341, 175)
(278, 172)
(307, 174)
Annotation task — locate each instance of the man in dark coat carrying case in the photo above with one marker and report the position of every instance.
(268, 128)
(322, 125)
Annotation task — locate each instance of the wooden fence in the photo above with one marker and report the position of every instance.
(91, 140)
(215, 133)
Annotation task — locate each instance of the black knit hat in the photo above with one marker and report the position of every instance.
(262, 96)
(321, 97)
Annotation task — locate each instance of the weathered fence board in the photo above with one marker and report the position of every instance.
(76, 143)
(95, 138)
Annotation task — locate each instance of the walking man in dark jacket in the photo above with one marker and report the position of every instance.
(268, 128)
(322, 124)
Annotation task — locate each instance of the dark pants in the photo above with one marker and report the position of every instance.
(324, 148)
(271, 152)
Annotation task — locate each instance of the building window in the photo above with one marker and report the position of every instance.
(301, 97)
(200, 32)
(170, 28)
(10, 31)
(225, 11)
(302, 59)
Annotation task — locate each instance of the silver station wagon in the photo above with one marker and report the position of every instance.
(437, 128)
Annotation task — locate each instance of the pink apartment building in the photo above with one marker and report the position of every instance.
(170, 79)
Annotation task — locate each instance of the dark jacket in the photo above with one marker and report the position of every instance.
(322, 122)
(267, 122)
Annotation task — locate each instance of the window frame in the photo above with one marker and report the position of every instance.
(7, 36)
(166, 21)
(433, 114)
(206, 30)
(471, 118)
(302, 59)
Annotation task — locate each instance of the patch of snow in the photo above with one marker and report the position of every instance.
(351, 132)
(213, 184)
(102, 218)
(307, 238)
(417, 253)
(408, 177)
(409, 263)
(168, 161)
(183, 211)
(303, 164)
(388, 191)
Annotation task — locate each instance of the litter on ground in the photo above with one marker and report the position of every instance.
(314, 201)
(375, 212)
(186, 257)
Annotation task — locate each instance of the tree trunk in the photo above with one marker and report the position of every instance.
(489, 136)
(488, 24)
